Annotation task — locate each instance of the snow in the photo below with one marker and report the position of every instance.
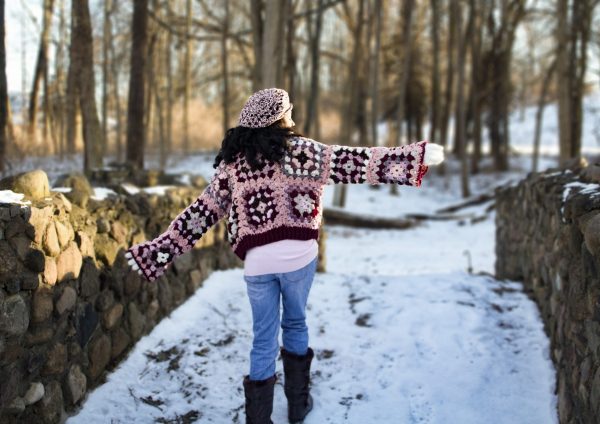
(62, 189)
(402, 331)
(592, 189)
(159, 189)
(10, 197)
(101, 193)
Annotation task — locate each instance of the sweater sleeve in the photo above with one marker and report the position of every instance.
(153, 257)
(403, 165)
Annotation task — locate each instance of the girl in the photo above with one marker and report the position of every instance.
(268, 182)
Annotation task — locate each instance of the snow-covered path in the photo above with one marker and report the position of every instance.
(402, 334)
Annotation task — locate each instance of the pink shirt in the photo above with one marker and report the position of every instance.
(280, 256)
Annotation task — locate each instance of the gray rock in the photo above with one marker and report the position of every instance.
(81, 190)
(56, 360)
(39, 220)
(120, 341)
(33, 184)
(16, 406)
(106, 249)
(39, 335)
(9, 262)
(42, 305)
(99, 355)
(34, 393)
(50, 271)
(68, 264)
(66, 301)
(112, 317)
(136, 321)
(119, 232)
(14, 316)
(16, 226)
(30, 280)
(591, 235)
(50, 244)
(64, 232)
(76, 384)
(90, 279)
(34, 260)
(86, 247)
(50, 408)
(103, 225)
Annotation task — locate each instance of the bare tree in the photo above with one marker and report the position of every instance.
(435, 73)
(187, 76)
(272, 46)
(81, 86)
(313, 97)
(460, 139)
(224, 66)
(3, 90)
(41, 69)
(549, 75)
(347, 121)
(137, 81)
(573, 34)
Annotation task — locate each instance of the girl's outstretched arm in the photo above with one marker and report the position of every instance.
(404, 165)
(151, 258)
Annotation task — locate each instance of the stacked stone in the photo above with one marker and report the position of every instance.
(70, 307)
(554, 248)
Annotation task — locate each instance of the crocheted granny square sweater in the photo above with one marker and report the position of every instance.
(280, 201)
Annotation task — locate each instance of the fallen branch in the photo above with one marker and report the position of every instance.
(439, 217)
(337, 217)
(482, 198)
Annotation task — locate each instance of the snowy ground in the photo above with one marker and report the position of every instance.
(402, 332)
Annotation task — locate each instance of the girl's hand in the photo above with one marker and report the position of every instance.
(434, 154)
(132, 263)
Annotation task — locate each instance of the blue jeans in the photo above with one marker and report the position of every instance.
(264, 292)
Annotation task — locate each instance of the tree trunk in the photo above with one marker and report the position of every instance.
(405, 55)
(187, 75)
(573, 33)
(137, 78)
(272, 48)
(81, 87)
(477, 84)
(257, 41)
(3, 90)
(375, 73)
(348, 117)
(435, 74)
(225, 76)
(448, 95)
(460, 138)
(106, 40)
(115, 92)
(41, 65)
(313, 97)
(540, 113)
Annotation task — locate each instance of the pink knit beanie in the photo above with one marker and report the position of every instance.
(265, 107)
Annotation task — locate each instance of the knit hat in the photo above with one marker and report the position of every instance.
(265, 107)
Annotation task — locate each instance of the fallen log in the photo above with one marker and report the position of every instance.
(339, 217)
(439, 216)
(482, 198)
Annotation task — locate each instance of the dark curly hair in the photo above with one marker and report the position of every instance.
(258, 145)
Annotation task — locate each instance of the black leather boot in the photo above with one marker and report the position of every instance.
(296, 369)
(259, 400)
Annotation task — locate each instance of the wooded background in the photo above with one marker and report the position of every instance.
(118, 80)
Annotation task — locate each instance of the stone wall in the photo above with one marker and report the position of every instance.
(548, 236)
(70, 307)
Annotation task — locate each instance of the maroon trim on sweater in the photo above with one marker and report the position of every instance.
(272, 235)
(422, 167)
